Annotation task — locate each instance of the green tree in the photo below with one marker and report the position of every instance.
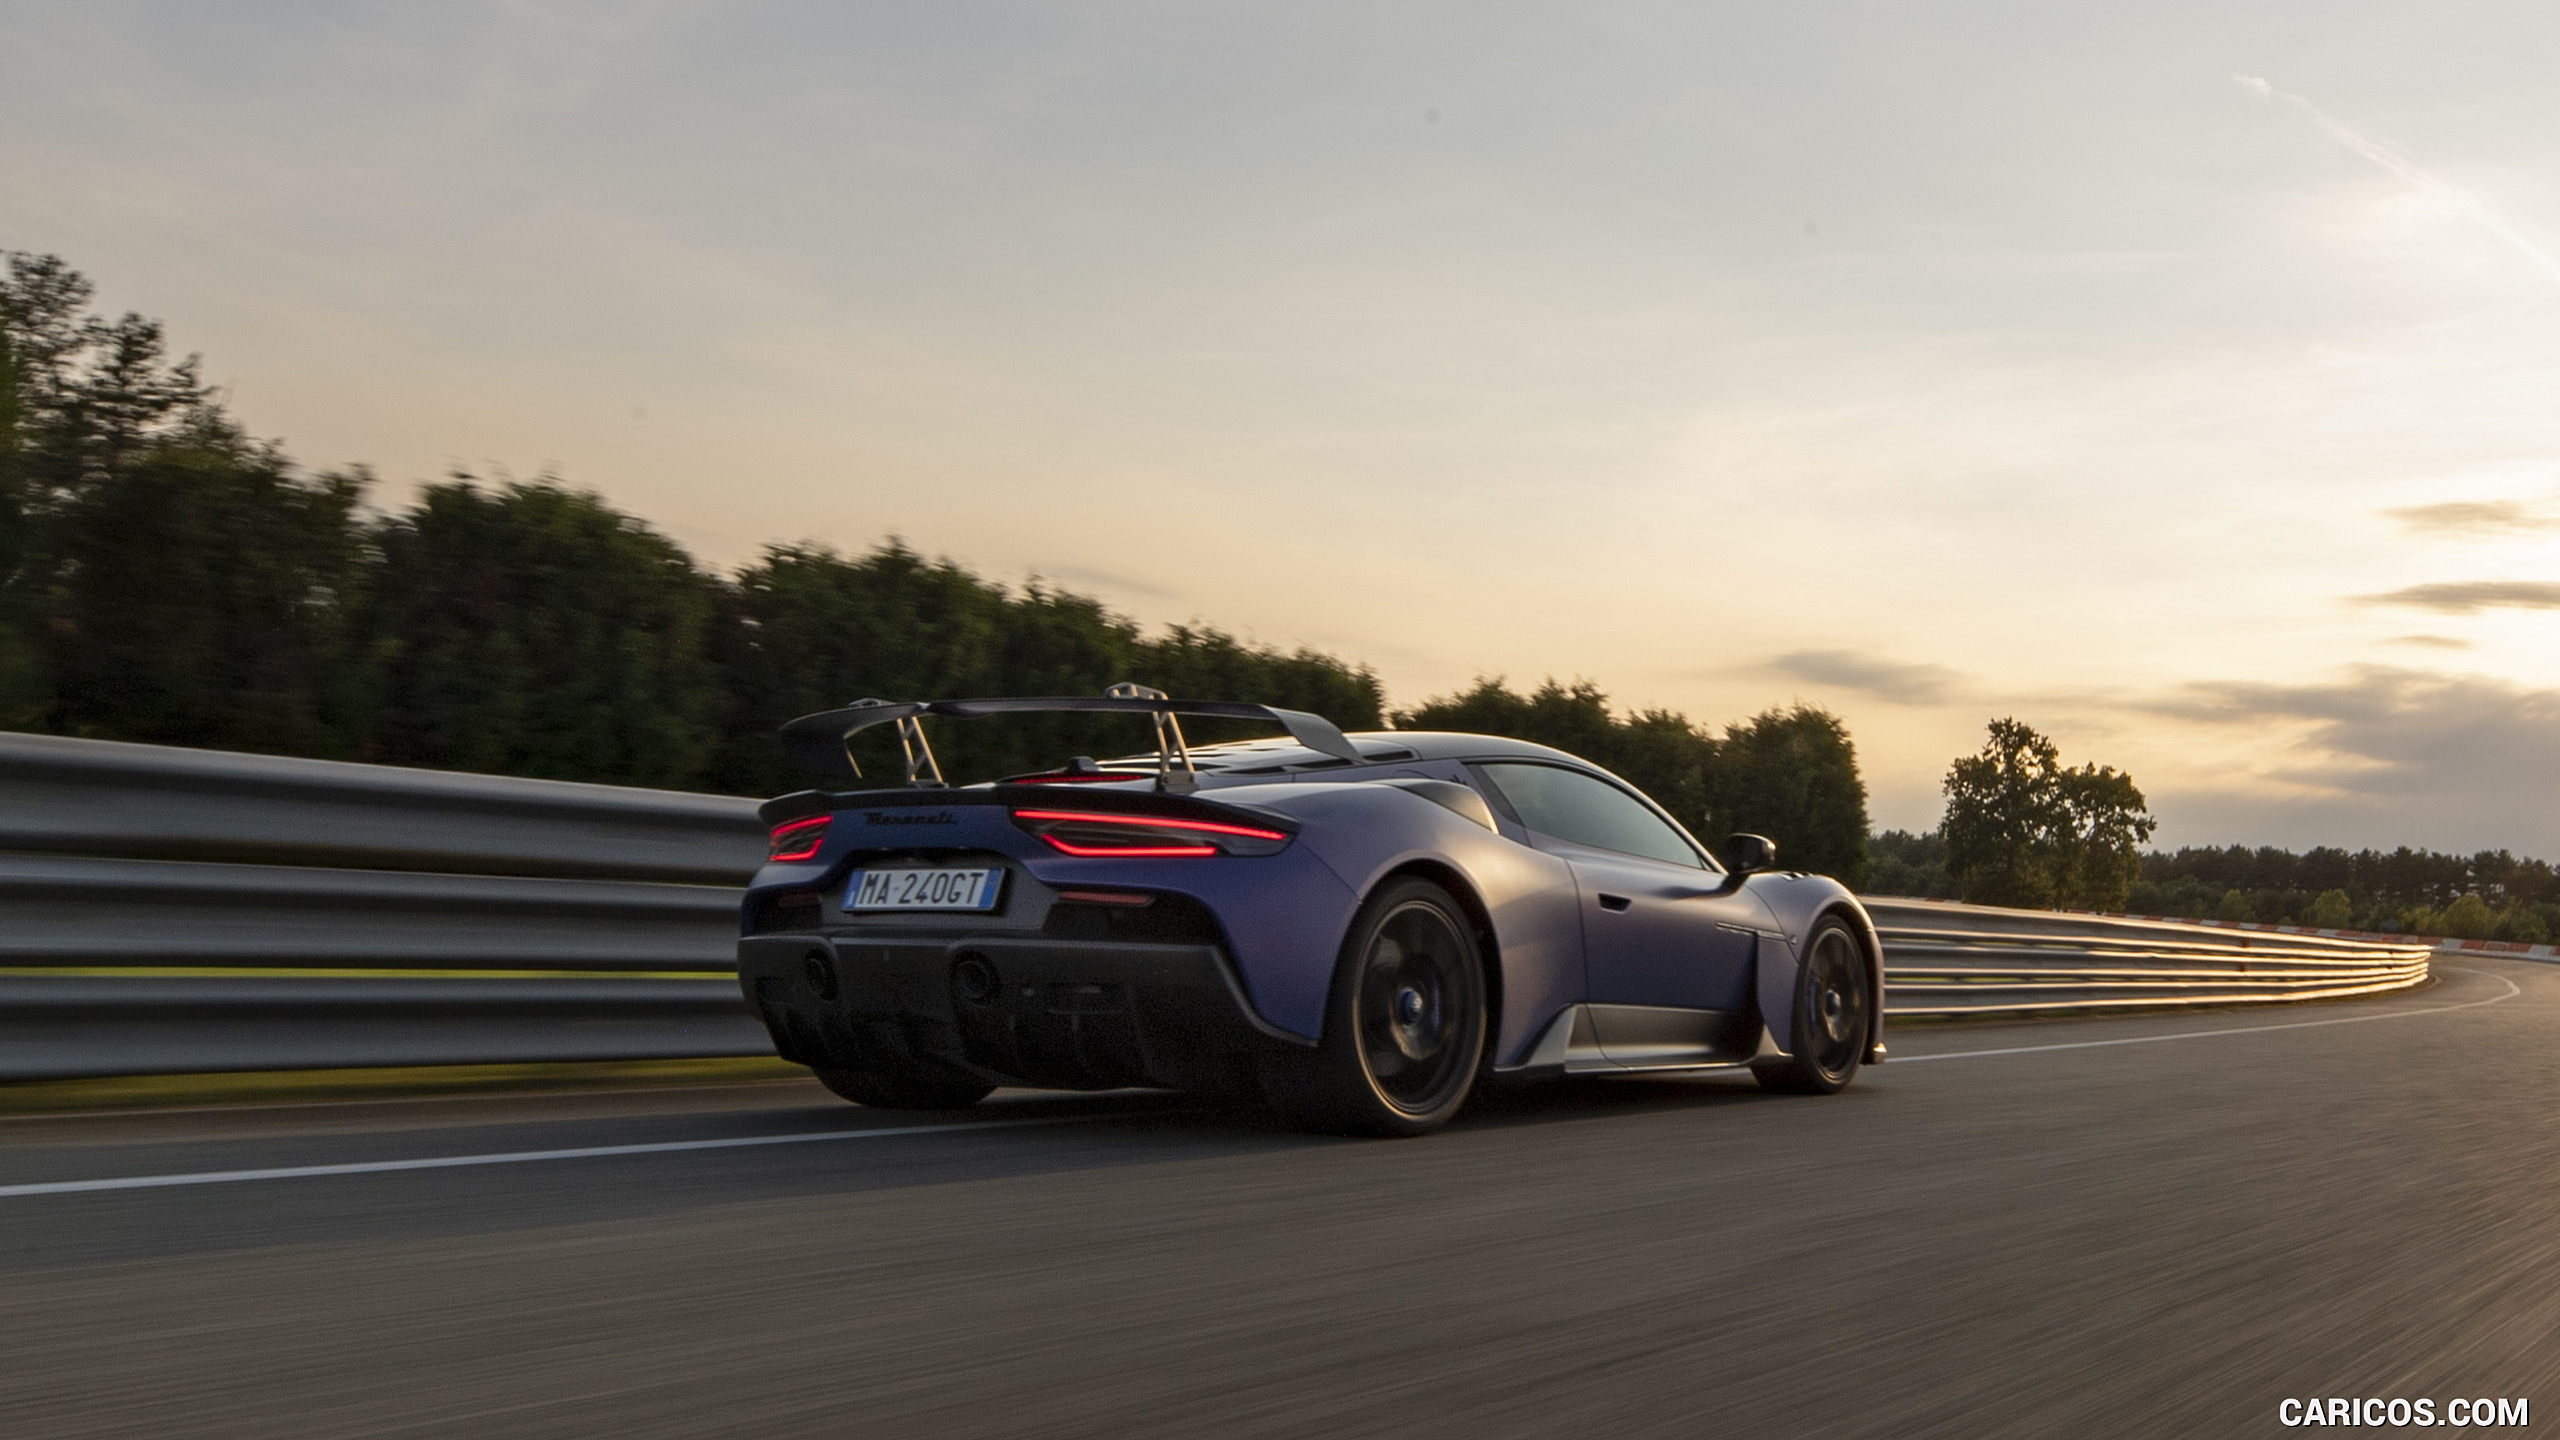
(1212, 665)
(199, 601)
(2468, 918)
(2234, 906)
(811, 629)
(2023, 830)
(24, 693)
(2332, 911)
(1901, 863)
(2002, 811)
(1658, 751)
(1792, 775)
(162, 576)
(2103, 823)
(533, 630)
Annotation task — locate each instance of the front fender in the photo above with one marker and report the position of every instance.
(1799, 902)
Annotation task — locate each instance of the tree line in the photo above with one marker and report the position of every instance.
(166, 577)
(2023, 829)
(2491, 895)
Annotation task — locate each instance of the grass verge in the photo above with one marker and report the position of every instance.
(295, 1087)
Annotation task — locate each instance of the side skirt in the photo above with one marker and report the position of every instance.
(1589, 1039)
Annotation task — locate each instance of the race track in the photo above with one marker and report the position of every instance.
(1982, 1238)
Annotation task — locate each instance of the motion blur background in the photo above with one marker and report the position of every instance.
(2176, 379)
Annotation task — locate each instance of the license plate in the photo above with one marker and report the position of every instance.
(924, 889)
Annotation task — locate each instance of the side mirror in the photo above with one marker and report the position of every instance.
(1750, 853)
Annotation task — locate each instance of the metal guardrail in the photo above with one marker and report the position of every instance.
(166, 910)
(1945, 959)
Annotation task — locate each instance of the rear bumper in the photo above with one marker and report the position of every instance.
(1062, 1014)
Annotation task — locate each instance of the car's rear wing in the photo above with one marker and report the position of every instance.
(823, 742)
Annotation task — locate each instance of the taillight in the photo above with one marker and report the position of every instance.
(1136, 837)
(800, 839)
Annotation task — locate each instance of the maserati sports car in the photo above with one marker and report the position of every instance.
(1361, 928)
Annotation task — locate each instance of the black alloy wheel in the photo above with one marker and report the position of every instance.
(1404, 1028)
(1834, 1006)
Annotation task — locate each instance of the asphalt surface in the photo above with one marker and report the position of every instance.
(2166, 1237)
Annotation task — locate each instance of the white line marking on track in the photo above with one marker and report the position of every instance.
(742, 1142)
(521, 1157)
(2512, 992)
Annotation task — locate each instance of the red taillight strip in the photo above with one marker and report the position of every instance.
(783, 835)
(1123, 852)
(1158, 822)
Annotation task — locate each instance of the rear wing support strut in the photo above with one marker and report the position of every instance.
(824, 742)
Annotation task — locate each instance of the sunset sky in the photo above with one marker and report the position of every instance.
(2182, 384)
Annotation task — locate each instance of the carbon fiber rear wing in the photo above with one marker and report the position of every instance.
(823, 742)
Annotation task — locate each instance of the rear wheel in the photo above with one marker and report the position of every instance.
(903, 1089)
(1833, 1004)
(1404, 1026)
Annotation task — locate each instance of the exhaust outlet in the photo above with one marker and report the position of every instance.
(974, 979)
(821, 974)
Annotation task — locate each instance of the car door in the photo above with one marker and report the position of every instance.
(1663, 929)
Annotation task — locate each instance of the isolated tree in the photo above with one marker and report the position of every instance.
(2104, 822)
(2023, 830)
(2002, 810)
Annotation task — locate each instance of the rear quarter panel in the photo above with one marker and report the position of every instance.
(1366, 833)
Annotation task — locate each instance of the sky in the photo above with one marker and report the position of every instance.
(2179, 381)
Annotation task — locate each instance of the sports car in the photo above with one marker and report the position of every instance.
(1361, 929)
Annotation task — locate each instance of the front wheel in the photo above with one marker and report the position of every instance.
(1833, 1003)
(1404, 1029)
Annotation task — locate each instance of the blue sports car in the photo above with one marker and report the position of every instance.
(1361, 928)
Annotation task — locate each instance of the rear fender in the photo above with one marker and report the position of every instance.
(1370, 833)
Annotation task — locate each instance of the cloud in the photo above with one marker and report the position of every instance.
(2434, 642)
(1901, 682)
(2465, 597)
(2387, 756)
(1109, 581)
(2392, 160)
(2467, 518)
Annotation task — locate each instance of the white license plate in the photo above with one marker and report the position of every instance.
(924, 889)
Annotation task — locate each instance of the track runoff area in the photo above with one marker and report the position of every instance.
(1963, 1180)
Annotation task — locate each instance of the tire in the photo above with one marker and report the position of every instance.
(1404, 1031)
(907, 1089)
(1834, 1007)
